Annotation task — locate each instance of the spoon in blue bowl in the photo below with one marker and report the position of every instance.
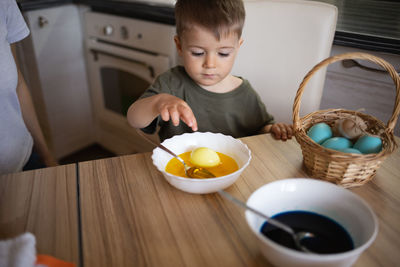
(297, 236)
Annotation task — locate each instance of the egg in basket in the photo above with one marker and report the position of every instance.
(330, 162)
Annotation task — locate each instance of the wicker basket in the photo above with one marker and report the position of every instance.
(344, 169)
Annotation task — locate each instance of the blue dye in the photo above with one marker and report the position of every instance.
(330, 237)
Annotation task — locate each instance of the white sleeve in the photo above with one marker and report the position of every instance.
(15, 23)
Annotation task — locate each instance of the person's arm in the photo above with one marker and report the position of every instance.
(31, 121)
(280, 131)
(142, 112)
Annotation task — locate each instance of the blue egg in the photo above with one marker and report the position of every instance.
(350, 150)
(337, 143)
(320, 132)
(368, 144)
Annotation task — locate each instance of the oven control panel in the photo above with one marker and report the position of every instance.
(149, 36)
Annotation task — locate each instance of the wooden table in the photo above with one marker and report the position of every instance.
(128, 215)
(132, 217)
(43, 202)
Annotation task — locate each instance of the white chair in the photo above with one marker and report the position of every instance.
(283, 40)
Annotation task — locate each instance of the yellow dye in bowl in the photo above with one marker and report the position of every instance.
(226, 166)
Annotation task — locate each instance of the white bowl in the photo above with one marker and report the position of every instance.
(324, 198)
(187, 142)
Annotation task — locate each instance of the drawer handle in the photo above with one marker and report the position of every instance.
(43, 22)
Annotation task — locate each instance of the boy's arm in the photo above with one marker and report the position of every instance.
(280, 131)
(145, 110)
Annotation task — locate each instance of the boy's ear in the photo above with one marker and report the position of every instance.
(241, 42)
(178, 44)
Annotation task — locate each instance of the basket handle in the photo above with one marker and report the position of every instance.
(356, 55)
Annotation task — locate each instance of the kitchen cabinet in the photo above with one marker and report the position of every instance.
(52, 60)
(351, 87)
(124, 56)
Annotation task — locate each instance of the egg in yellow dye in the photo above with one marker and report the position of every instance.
(227, 165)
(204, 157)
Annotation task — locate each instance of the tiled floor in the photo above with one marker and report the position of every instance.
(375, 98)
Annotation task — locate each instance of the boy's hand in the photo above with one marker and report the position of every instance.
(280, 131)
(173, 108)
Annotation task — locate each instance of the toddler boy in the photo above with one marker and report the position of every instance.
(203, 93)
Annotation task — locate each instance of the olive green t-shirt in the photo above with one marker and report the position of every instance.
(237, 113)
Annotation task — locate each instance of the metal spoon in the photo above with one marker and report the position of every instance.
(191, 172)
(297, 237)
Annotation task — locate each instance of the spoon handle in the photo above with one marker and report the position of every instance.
(172, 153)
(245, 206)
(160, 146)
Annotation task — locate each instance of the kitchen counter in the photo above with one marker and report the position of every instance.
(365, 24)
(368, 24)
(139, 9)
(27, 5)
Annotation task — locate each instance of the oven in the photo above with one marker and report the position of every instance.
(124, 56)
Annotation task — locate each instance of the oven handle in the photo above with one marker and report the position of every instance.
(96, 51)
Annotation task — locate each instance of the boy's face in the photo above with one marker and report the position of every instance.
(207, 60)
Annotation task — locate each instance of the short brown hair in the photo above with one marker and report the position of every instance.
(220, 16)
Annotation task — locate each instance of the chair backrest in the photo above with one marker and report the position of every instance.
(283, 40)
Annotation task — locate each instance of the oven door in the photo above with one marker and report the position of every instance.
(118, 77)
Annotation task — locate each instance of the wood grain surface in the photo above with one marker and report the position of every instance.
(131, 216)
(44, 203)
